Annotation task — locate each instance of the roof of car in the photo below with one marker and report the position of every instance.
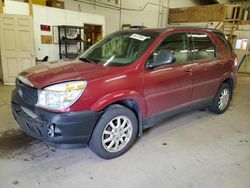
(161, 30)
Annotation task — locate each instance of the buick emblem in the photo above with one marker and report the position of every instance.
(20, 92)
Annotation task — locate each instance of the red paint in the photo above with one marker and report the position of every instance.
(155, 90)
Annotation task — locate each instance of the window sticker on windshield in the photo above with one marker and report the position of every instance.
(139, 37)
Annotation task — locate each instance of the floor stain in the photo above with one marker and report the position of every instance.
(244, 141)
(15, 144)
(15, 182)
(12, 140)
(58, 168)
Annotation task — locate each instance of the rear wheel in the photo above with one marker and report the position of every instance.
(114, 133)
(222, 99)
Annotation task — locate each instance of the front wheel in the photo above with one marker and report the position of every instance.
(222, 99)
(114, 133)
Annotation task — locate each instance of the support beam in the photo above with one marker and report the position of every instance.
(245, 22)
(30, 8)
(1, 6)
(207, 13)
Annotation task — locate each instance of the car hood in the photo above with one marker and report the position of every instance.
(54, 72)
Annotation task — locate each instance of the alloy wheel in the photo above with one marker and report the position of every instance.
(223, 99)
(117, 134)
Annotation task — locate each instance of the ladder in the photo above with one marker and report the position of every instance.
(230, 25)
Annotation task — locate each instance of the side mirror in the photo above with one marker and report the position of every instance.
(163, 57)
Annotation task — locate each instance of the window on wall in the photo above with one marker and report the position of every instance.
(203, 47)
(241, 44)
(179, 44)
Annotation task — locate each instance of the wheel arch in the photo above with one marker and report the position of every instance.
(129, 99)
(133, 105)
(230, 82)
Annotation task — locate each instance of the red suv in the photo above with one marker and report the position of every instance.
(127, 82)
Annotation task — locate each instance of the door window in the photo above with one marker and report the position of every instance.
(203, 47)
(224, 41)
(178, 43)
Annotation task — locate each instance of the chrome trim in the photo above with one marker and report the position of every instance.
(29, 112)
(25, 80)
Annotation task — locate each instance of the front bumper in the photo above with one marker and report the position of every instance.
(63, 130)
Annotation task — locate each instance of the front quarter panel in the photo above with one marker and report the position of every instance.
(119, 96)
(110, 89)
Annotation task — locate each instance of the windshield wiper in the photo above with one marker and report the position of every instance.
(87, 60)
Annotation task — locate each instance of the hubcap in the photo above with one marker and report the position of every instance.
(224, 99)
(117, 134)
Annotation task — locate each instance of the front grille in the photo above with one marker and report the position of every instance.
(29, 94)
(32, 126)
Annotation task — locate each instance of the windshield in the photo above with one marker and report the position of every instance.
(119, 49)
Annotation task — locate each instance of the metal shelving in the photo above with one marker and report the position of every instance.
(64, 42)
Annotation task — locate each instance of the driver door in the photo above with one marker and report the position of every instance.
(169, 87)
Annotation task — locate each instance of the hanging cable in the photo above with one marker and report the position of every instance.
(105, 5)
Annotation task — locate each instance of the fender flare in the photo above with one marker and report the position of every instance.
(115, 97)
(227, 76)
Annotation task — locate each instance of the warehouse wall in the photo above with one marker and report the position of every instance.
(181, 3)
(148, 16)
(1, 67)
(14, 7)
(52, 17)
(244, 33)
(224, 1)
(111, 16)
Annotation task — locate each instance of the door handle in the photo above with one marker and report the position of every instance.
(188, 70)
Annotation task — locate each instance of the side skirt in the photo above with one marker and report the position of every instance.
(161, 117)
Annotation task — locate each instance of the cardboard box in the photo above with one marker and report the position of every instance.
(39, 2)
(55, 4)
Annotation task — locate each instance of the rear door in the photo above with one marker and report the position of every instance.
(170, 86)
(207, 71)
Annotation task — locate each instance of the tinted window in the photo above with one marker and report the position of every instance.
(203, 47)
(222, 38)
(179, 44)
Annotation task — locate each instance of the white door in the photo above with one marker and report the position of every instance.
(17, 45)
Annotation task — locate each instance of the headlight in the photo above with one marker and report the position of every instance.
(60, 96)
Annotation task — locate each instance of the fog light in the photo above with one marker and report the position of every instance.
(51, 130)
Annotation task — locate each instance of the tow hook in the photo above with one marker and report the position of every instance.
(51, 130)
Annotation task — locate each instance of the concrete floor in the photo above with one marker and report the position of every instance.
(196, 149)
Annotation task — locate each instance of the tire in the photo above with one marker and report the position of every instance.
(117, 125)
(222, 99)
